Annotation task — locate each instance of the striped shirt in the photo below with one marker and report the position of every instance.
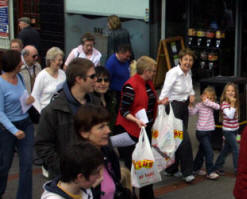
(128, 98)
(230, 118)
(205, 111)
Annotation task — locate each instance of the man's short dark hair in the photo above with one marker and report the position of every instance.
(82, 158)
(10, 60)
(123, 48)
(87, 37)
(77, 67)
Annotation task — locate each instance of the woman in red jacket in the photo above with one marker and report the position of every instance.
(138, 94)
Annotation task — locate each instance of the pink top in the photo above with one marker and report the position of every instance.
(107, 186)
(205, 113)
(230, 119)
(78, 52)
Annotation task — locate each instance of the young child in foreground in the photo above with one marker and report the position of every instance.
(81, 168)
(204, 129)
(230, 110)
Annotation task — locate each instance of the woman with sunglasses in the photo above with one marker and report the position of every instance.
(101, 90)
(50, 79)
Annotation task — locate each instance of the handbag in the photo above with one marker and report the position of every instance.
(122, 192)
(33, 113)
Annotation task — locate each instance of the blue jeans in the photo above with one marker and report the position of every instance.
(205, 150)
(25, 149)
(230, 145)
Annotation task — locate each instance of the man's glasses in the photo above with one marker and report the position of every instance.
(102, 79)
(93, 76)
(34, 56)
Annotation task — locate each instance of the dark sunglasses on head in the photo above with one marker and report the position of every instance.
(102, 79)
(34, 56)
(93, 76)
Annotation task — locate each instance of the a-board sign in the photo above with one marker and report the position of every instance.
(167, 57)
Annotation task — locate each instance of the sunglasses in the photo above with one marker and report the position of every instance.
(102, 79)
(93, 76)
(34, 56)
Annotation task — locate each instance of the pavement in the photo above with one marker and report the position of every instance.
(168, 188)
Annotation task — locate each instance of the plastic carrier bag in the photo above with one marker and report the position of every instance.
(167, 135)
(143, 169)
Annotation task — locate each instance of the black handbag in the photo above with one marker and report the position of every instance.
(122, 192)
(34, 115)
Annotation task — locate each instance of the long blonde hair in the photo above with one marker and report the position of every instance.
(223, 96)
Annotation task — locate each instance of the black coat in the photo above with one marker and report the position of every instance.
(56, 130)
(29, 36)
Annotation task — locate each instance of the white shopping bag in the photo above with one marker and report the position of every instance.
(163, 132)
(162, 161)
(143, 169)
(177, 128)
(167, 135)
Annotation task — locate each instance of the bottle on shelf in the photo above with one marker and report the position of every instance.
(220, 36)
(200, 38)
(213, 61)
(191, 37)
(210, 37)
(203, 59)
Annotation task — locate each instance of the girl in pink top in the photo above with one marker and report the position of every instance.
(230, 110)
(205, 127)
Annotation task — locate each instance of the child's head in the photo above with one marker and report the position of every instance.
(209, 92)
(230, 90)
(81, 164)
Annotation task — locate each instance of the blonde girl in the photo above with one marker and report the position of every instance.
(230, 112)
(204, 129)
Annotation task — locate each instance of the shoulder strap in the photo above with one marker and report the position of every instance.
(20, 76)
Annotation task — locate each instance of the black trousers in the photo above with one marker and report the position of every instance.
(126, 155)
(184, 155)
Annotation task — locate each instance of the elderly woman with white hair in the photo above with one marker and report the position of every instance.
(50, 79)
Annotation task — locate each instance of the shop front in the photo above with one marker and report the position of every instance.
(214, 29)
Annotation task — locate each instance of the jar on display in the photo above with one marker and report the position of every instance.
(200, 38)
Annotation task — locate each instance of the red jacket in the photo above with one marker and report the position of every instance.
(240, 189)
(140, 102)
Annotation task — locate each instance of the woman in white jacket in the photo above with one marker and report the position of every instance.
(50, 79)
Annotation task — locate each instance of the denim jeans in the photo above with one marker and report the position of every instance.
(8, 142)
(230, 145)
(205, 150)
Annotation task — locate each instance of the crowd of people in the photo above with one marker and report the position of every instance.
(82, 103)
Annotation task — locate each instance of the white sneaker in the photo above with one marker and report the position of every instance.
(189, 178)
(212, 176)
(45, 173)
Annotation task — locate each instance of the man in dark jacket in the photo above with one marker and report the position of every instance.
(28, 35)
(56, 129)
